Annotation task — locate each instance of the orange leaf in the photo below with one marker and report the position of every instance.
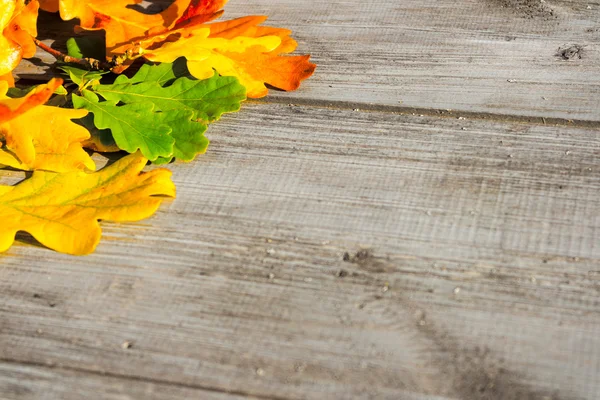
(254, 69)
(12, 108)
(121, 22)
(18, 27)
(237, 48)
(81, 9)
(8, 79)
(36, 136)
(204, 10)
(49, 5)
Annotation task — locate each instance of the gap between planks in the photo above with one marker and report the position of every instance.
(137, 378)
(430, 112)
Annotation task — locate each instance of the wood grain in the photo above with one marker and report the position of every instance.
(26, 381)
(479, 55)
(482, 56)
(327, 253)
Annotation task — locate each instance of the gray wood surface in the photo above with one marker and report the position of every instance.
(320, 250)
(487, 56)
(472, 267)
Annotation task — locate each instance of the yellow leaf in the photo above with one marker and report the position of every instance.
(249, 26)
(46, 138)
(17, 29)
(12, 108)
(7, 79)
(41, 137)
(240, 48)
(199, 47)
(61, 210)
(23, 27)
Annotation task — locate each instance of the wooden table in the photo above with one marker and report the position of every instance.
(421, 220)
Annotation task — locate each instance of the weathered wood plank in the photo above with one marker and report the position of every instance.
(491, 56)
(480, 56)
(19, 381)
(481, 280)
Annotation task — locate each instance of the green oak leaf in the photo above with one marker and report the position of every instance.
(82, 77)
(208, 99)
(87, 46)
(21, 92)
(100, 139)
(133, 126)
(137, 110)
(163, 73)
(188, 134)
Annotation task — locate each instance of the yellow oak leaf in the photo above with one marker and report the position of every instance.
(12, 108)
(35, 136)
(61, 210)
(8, 79)
(237, 48)
(204, 47)
(17, 29)
(46, 138)
(23, 26)
(249, 26)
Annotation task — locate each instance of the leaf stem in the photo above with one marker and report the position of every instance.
(88, 63)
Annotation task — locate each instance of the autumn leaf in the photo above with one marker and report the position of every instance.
(201, 11)
(11, 108)
(36, 136)
(61, 210)
(46, 138)
(253, 54)
(249, 26)
(121, 21)
(8, 79)
(18, 28)
(84, 10)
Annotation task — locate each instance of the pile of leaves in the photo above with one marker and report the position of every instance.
(136, 82)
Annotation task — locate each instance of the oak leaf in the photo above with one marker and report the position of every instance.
(208, 99)
(201, 11)
(18, 20)
(253, 54)
(119, 18)
(134, 126)
(160, 110)
(11, 108)
(50, 136)
(61, 210)
(36, 136)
